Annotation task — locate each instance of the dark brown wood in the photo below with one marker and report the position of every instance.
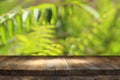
(56, 66)
(114, 61)
(99, 77)
(3, 58)
(59, 66)
(100, 63)
(7, 62)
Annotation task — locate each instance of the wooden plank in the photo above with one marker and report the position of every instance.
(27, 78)
(81, 67)
(23, 66)
(48, 78)
(54, 78)
(3, 59)
(100, 63)
(39, 78)
(6, 77)
(80, 64)
(114, 61)
(12, 66)
(7, 62)
(26, 63)
(20, 78)
(99, 77)
(15, 63)
(35, 63)
(56, 66)
(59, 66)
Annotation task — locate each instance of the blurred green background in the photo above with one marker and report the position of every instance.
(91, 29)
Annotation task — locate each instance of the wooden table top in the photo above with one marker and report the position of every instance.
(59, 66)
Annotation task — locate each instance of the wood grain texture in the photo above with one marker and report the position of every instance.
(56, 64)
(99, 77)
(80, 64)
(59, 66)
(100, 63)
(3, 59)
(114, 61)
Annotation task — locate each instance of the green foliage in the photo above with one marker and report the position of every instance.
(68, 28)
(30, 32)
(87, 35)
(12, 5)
(39, 42)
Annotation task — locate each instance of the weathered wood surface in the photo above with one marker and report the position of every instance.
(59, 66)
(59, 78)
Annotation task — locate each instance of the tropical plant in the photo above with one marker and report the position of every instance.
(93, 36)
(66, 28)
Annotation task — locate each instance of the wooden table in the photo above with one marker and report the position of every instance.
(59, 68)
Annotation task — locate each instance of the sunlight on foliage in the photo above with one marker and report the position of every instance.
(39, 42)
(70, 27)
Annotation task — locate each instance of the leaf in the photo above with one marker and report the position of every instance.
(3, 35)
(90, 10)
(37, 14)
(27, 19)
(10, 24)
(48, 15)
(11, 27)
(19, 22)
(21, 38)
(2, 19)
